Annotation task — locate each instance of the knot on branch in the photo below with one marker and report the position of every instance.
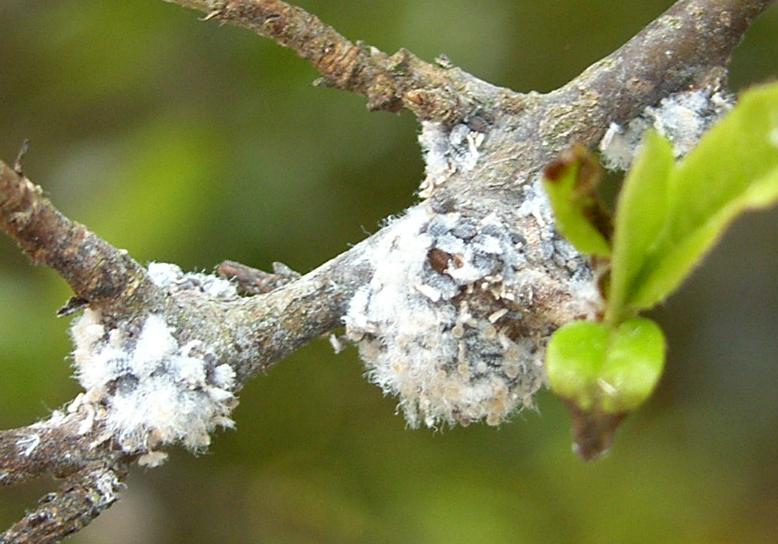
(250, 281)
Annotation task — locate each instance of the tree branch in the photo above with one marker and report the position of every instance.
(96, 271)
(483, 146)
(73, 447)
(80, 499)
(434, 92)
(687, 46)
(59, 446)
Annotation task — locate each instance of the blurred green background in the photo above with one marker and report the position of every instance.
(190, 143)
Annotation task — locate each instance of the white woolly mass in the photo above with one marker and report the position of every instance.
(447, 150)
(28, 444)
(108, 487)
(160, 393)
(170, 276)
(682, 118)
(451, 358)
(224, 376)
(154, 344)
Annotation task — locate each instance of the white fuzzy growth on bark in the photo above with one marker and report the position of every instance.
(108, 487)
(154, 345)
(447, 150)
(28, 444)
(683, 118)
(170, 276)
(437, 324)
(149, 389)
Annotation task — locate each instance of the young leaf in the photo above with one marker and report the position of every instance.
(574, 358)
(606, 370)
(633, 365)
(570, 182)
(734, 168)
(642, 210)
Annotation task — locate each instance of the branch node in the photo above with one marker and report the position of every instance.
(252, 281)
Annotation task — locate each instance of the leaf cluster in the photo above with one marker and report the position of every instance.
(668, 216)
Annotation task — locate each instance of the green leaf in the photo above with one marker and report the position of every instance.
(633, 365)
(733, 169)
(570, 183)
(603, 369)
(642, 211)
(574, 359)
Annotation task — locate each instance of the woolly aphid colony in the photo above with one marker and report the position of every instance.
(682, 118)
(150, 389)
(437, 323)
(441, 324)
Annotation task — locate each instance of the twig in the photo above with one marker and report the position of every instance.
(688, 46)
(389, 82)
(81, 498)
(256, 282)
(96, 271)
(59, 446)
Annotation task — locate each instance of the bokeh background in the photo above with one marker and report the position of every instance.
(190, 143)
